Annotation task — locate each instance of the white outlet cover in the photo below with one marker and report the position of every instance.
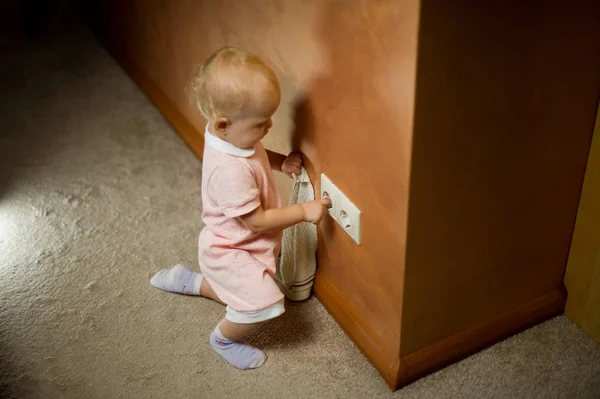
(343, 211)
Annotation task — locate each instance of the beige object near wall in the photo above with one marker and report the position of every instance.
(582, 278)
(298, 261)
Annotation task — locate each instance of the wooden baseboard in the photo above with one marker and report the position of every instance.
(192, 136)
(481, 336)
(399, 372)
(384, 361)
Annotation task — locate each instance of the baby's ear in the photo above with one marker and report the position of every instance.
(221, 124)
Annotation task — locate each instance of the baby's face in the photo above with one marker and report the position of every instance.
(253, 122)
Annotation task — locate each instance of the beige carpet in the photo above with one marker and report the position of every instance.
(97, 192)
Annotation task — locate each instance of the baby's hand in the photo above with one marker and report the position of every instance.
(315, 210)
(292, 164)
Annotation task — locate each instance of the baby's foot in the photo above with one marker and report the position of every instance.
(237, 353)
(178, 279)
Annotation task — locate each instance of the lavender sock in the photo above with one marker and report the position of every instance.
(237, 353)
(178, 279)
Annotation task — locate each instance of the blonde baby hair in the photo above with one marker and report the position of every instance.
(228, 80)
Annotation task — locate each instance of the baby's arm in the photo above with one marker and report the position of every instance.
(292, 164)
(271, 220)
(275, 159)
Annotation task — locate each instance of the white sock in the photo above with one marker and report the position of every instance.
(237, 353)
(178, 279)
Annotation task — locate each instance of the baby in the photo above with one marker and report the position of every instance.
(238, 249)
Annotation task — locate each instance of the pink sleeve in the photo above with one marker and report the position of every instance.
(234, 189)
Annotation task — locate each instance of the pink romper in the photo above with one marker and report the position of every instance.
(239, 264)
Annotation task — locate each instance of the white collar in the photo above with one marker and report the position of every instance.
(226, 147)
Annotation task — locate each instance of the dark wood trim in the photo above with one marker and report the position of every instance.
(481, 336)
(400, 372)
(357, 330)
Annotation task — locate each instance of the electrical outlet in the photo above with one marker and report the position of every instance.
(343, 211)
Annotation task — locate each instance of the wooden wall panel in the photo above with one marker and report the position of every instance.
(505, 106)
(361, 131)
(583, 269)
(347, 71)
